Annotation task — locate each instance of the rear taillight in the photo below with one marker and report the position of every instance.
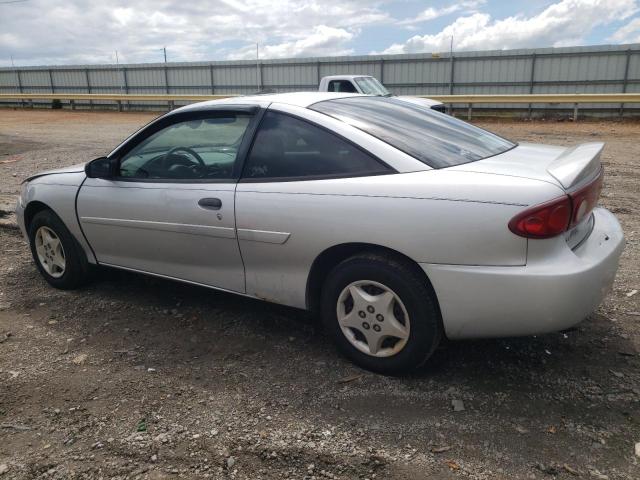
(559, 215)
(543, 221)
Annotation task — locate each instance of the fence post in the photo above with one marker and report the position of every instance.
(86, 76)
(575, 112)
(126, 86)
(469, 111)
(382, 71)
(625, 80)
(213, 90)
(53, 88)
(318, 73)
(531, 80)
(451, 72)
(166, 84)
(20, 87)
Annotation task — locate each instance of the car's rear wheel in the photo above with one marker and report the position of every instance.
(381, 312)
(56, 253)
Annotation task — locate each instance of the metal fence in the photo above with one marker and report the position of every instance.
(595, 69)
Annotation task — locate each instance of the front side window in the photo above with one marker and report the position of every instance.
(289, 148)
(371, 86)
(344, 86)
(195, 149)
(434, 138)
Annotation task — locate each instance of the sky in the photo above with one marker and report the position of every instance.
(55, 32)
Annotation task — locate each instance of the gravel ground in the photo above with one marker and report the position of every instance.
(136, 377)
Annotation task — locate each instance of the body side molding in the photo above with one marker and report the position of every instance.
(264, 236)
(206, 230)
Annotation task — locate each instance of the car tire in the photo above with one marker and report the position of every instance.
(57, 254)
(366, 282)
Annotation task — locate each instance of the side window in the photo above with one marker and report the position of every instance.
(196, 149)
(342, 86)
(286, 147)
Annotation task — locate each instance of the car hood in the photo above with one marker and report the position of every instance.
(426, 102)
(79, 167)
(565, 167)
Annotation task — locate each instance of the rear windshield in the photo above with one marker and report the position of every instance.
(432, 137)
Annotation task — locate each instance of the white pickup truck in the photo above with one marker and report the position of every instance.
(370, 86)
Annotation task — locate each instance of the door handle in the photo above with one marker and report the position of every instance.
(210, 203)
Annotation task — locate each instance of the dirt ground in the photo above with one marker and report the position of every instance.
(136, 377)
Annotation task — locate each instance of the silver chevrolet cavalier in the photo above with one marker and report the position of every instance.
(397, 224)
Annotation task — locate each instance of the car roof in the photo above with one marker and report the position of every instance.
(344, 77)
(300, 99)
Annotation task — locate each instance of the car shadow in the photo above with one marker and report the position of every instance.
(135, 299)
(209, 311)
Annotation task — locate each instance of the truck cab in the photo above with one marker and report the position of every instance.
(368, 85)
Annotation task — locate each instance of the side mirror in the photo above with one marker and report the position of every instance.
(98, 168)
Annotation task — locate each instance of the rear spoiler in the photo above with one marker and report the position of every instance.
(577, 164)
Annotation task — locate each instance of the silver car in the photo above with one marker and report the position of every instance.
(397, 224)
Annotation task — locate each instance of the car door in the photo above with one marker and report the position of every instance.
(169, 208)
(287, 209)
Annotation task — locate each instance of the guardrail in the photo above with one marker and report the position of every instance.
(540, 98)
(552, 98)
(119, 98)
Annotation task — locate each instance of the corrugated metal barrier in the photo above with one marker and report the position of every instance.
(571, 70)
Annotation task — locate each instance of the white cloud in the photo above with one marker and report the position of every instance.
(433, 13)
(322, 41)
(123, 15)
(430, 14)
(40, 32)
(629, 33)
(567, 20)
(77, 31)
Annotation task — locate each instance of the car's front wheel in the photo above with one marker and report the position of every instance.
(58, 256)
(381, 312)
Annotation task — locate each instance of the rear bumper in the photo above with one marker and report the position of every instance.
(556, 289)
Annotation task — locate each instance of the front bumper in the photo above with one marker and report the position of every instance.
(556, 289)
(20, 217)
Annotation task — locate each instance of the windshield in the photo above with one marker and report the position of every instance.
(432, 137)
(371, 86)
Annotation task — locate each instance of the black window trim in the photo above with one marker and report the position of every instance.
(387, 169)
(513, 142)
(172, 118)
